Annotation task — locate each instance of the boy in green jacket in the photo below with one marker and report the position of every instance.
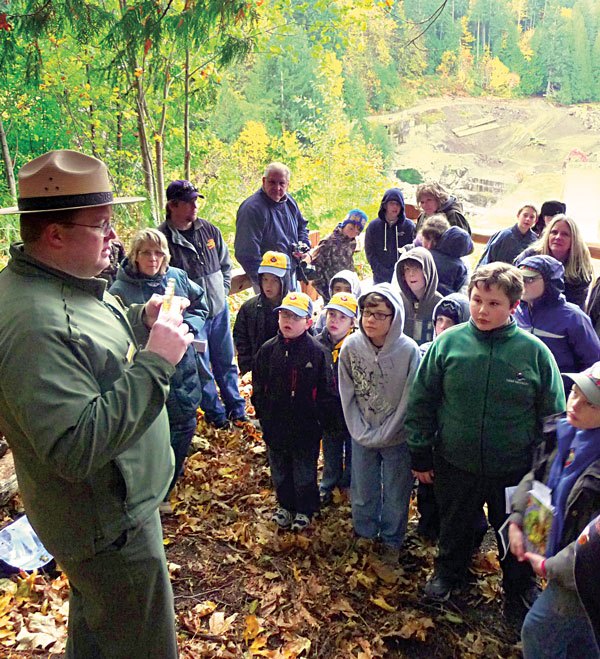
(474, 416)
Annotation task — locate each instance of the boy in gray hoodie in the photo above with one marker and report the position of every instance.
(376, 367)
(416, 276)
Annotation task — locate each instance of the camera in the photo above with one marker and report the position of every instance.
(304, 271)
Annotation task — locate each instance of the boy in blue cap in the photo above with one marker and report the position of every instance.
(293, 398)
(336, 252)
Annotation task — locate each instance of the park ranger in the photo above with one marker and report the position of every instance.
(83, 382)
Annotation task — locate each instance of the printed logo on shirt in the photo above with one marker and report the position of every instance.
(308, 365)
(518, 379)
(210, 243)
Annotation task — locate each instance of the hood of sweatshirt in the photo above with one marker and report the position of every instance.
(393, 194)
(553, 273)
(285, 287)
(374, 384)
(455, 305)
(422, 256)
(455, 242)
(351, 278)
(397, 324)
(450, 204)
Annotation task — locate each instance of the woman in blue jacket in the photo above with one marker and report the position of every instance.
(145, 272)
(561, 325)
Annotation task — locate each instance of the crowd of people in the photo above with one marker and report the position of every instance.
(468, 384)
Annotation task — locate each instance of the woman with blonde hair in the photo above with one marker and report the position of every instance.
(143, 273)
(562, 240)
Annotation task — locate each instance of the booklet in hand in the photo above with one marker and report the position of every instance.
(537, 518)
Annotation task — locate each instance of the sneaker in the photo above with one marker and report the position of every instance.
(390, 555)
(220, 424)
(326, 498)
(439, 588)
(282, 517)
(165, 508)
(300, 522)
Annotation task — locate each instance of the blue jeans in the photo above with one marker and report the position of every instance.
(380, 492)
(557, 627)
(294, 475)
(218, 359)
(337, 459)
(181, 438)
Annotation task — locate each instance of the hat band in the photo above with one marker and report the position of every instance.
(65, 201)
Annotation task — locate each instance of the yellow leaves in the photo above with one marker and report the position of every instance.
(253, 629)
(138, 72)
(382, 604)
(566, 12)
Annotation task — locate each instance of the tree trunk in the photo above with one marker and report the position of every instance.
(8, 164)
(147, 166)
(187, 155)
(159, 137)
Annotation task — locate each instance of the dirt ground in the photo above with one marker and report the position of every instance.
(538, 151)
(245, 589)
(318, 594)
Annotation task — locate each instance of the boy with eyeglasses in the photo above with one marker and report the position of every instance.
(377, 366)
(294, 400)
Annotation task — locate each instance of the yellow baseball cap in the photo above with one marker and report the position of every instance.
(344, 302)
(298, 303)
(274, 263)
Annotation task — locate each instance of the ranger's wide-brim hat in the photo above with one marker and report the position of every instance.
(64, 180)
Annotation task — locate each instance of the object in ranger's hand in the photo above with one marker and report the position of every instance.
(167, 303)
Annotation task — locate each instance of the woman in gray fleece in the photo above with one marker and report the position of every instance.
(376, 368)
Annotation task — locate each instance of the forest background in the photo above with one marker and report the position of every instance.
(213, 90)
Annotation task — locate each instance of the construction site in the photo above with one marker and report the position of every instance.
(495, 155)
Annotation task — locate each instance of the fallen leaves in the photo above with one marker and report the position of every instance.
(245, 589)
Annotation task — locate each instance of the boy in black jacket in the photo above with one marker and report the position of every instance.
(255, 322)
(340, 320)
(292, 396)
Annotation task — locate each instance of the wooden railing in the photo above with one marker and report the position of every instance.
(241, 281)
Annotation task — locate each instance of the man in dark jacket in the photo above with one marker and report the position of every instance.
(197, 247)
(83, 410)
(269, 220)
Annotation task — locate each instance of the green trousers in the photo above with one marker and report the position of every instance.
(121, 601)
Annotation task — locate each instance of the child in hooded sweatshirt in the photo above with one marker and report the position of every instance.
(336, 252)
(447, 245)
(451, 311)
(344, 281)
(386, 234)
(416, 276)
(561, 325)
(377, 366)
(337, 447)
(294, 400)
(255, 322)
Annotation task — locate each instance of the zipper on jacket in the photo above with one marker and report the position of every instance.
(487, 387)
